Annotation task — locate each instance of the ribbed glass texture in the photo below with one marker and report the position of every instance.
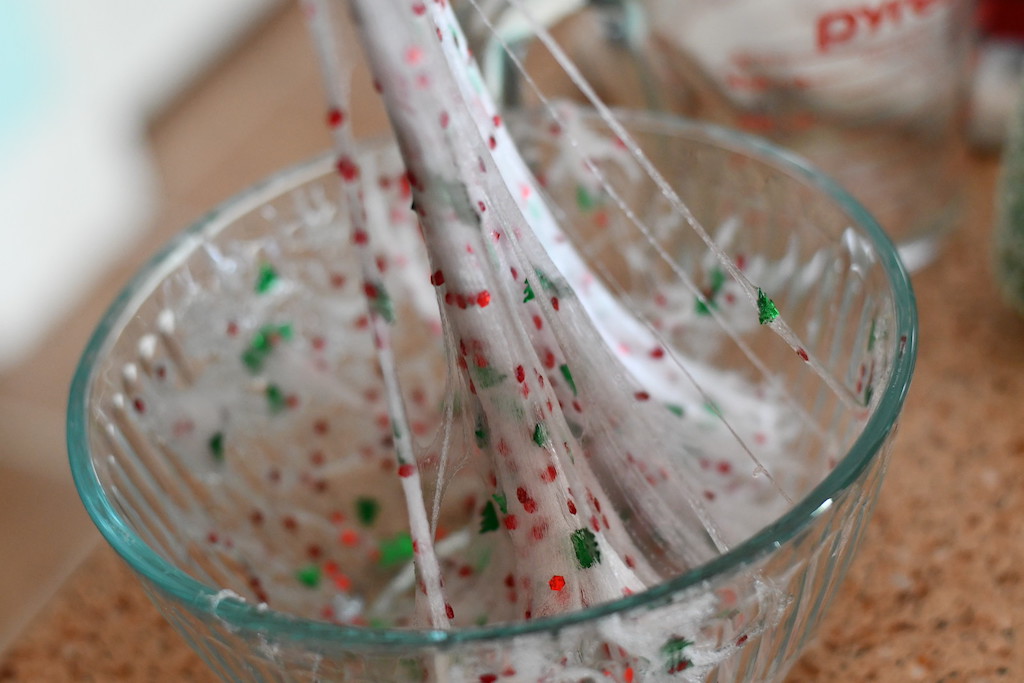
(848, 298)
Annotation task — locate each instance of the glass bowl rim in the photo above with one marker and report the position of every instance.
(245, 615)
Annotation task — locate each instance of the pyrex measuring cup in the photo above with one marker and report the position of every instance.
(871, 91)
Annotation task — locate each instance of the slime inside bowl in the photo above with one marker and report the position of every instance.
(228, 432)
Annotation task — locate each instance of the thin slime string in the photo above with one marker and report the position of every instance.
(766, 309)
(336, 83)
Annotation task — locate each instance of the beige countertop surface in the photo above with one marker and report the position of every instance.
(937, 591)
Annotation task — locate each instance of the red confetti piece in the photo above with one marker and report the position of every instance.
(406, 470)
(347, 169)
(556, 583)
(335, 117)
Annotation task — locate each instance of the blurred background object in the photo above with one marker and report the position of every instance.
(1008, 232)
(78, 81)
(998, 71)
(88, 188)
(873, 93)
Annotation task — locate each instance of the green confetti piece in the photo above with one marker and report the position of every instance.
(367, 510)
(482, 434)
(309, 576)
(266, 278)
(527, 292)
(675, 409)
(502, 502)
(706, 301)
(703, 307)
(262, 344)
(377, 622)
(545, 282)
(396, 550)
(584, 544)
(717, 276)
(382, 304)
(584, 200)
(673, 652)
(481, 620)
(489, 518)
(216, 444)
(487, 376)
(766, 310)
(276, 399)
(540, 434)
(713, 408)
(568, 377)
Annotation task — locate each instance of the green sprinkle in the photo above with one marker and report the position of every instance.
(367, 510)
(675, 409)
(487, 376)
(502, 502)
(766, 310)
(527, 292)
(672, 650)
(396, 550)
(584, 544)
(488, 518)
(266, 278)
(275, 398)
(568, 377)
(584, 200)
(217, 446)
(309, 576)
(540, 435)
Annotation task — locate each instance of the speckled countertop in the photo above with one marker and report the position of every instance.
(937, 593)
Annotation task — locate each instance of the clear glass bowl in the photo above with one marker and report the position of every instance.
(220, 466)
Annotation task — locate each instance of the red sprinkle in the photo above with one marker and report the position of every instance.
(335, 117)
(483, 298)
(406, 470)
(556, 583)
